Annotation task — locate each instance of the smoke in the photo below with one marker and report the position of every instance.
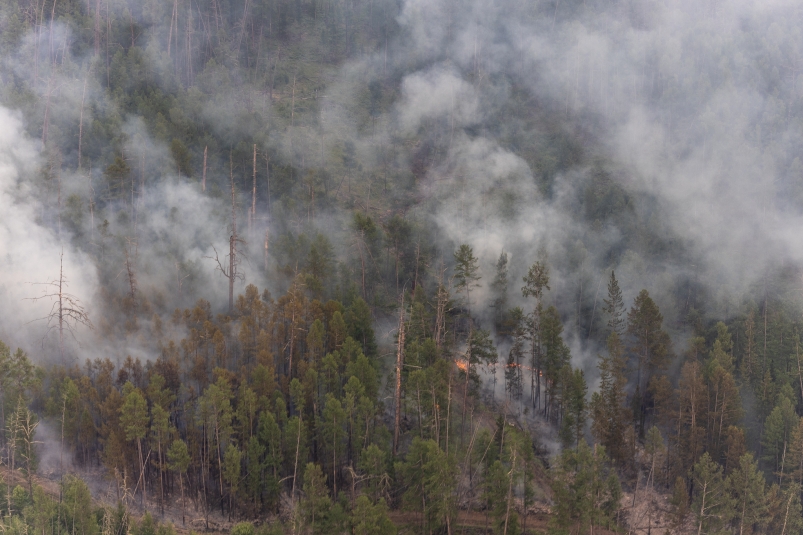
(687, 112)
(658, 139)
(30, 252)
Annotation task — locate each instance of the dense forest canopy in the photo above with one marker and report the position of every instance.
(348, 265)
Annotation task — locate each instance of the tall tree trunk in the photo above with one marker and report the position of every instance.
(203, 175)
(399, 364)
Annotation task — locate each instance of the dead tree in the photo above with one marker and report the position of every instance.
(231, 272)
(252, 219)
(203, 176)
(67, 312)
(130, 269)
(399, 364)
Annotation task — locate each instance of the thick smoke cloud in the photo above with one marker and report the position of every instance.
(688, 106)
(685, 111)
(30, 252)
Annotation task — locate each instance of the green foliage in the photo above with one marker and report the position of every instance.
(746, 487)
(430, 476)
(711, 504)
(360, 326)
(134, 413)
(587, 491)
(76, 508)
(608, 407)
(466, 271)
(536, 280)
(778, 429)
(370, 519)
(316, 504)
(574, 406)
(243, 528)
(615, 307)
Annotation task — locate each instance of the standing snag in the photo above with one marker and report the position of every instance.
(67, 311)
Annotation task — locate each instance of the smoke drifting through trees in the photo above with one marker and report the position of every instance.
(658, 140)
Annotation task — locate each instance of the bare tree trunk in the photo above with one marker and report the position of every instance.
(509, 492)
(203, 175)
(448, 411)
(61, 306)
(254, 193)
(399, 364)
(295, 464)
(232, 240)
(183, 503)
(170, 32)
(97, 27)
(142, 474)
(81, 122)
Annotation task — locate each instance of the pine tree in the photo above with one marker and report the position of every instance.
(178, 458)
(556, 355)
(746, 487)
(499, 286)
(779, 427)
(574, 406)
(466, 273)
(513, 375)
(609, 413)
(316, 503)
(711, 504)
(134, 420)
(535, 282)
(615, 307)
(586, 490)
(430, 476)
(749, 369)
(650, 345)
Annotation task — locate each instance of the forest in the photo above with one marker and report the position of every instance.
(401, 266)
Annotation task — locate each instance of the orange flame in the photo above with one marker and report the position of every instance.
(462, 365)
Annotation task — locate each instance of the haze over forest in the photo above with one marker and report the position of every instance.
(427, 266)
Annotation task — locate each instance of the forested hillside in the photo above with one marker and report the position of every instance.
(400, 266)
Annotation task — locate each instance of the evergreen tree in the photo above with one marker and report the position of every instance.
(499, 286)
(615, 307)
(587, 491)
(370, 519)
(134, 420)
(779, 427)
(178, 458)
(430, 476)
(609, 412)
(651, 347)
(574, 406)
(711, 503)
(556, 355)
(516, 355)
(535, 282)
(746, 487)
(466, 273)
(316, 504)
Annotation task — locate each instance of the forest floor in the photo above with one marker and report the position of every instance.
(651, 512)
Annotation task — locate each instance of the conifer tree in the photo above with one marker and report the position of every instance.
(466, 273)
(746, 487)
(556, 355)
(316, 503)
(535, 282)
(711, 503)
(574, 406)
(609, 413)
(615, 307)
(179, 460)
(134, 420)
(499, 286)
(651, 347)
